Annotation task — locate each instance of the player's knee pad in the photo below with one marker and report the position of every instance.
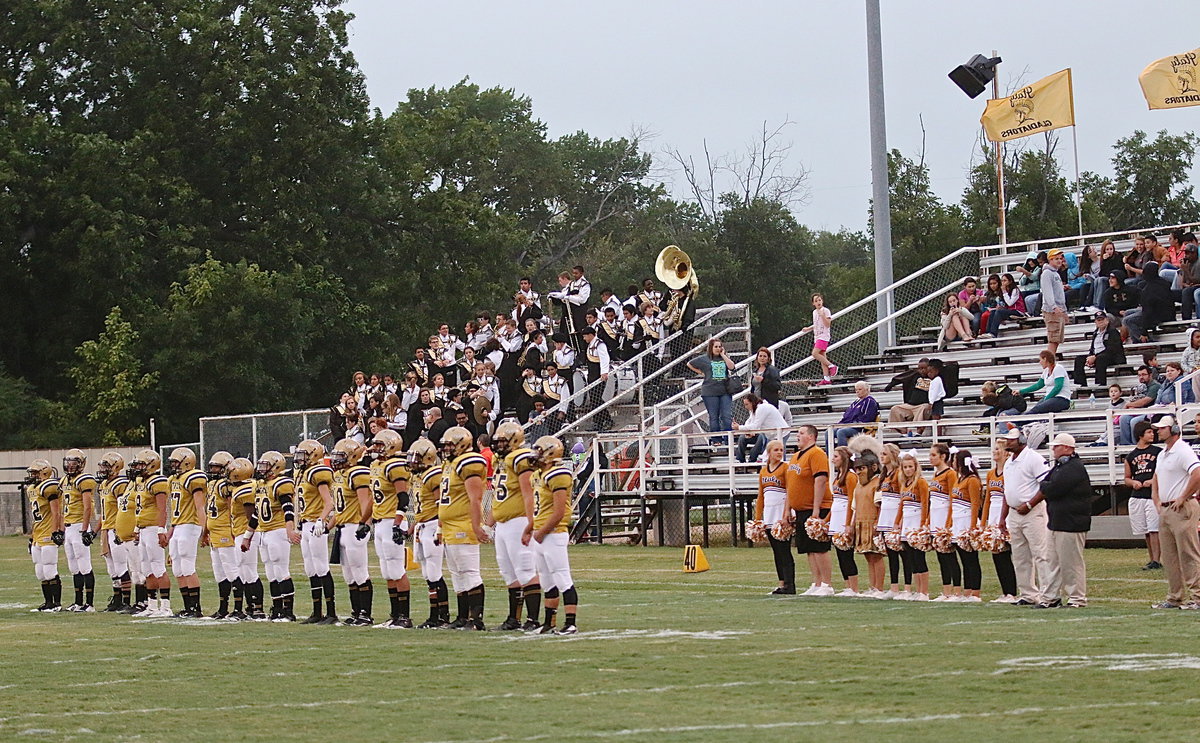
(570, 597)
(551, 593)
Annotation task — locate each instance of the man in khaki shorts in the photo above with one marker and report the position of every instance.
(1054, 300)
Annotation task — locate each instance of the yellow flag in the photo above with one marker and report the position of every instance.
(1047, 104)
(1172, 82)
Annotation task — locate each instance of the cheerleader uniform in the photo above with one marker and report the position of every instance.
(769, 508)
(913, 501)
(940, 490)
(993, 506)
(889, 509)
(840, 514)
(964, 505)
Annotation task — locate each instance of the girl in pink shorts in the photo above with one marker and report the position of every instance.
(822, 319)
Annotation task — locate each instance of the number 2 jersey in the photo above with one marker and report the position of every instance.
(428, 493)
(40, 498)
(454, 507)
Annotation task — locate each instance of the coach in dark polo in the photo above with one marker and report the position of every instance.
(1068, 495)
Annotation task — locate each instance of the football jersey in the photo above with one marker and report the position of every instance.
(345, 493)
(40, 497)
(125, 521)
(73, 489)
(425, 505)
(145, 507)
(309, 503)
(545, 483)
(268, 501)
(508, 503)
(384, 474)
(109, 491)
(454, 506)
(243, 495)
(182, 503)
(216, 508)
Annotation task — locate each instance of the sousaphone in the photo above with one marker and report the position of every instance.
(674, 268)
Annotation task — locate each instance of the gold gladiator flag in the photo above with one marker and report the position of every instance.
(1172, 82)
(1044, 105)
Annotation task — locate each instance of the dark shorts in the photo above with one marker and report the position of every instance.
(805, 544)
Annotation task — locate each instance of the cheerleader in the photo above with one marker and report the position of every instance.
(993, 506)
(889, 516)
(771, 508)
(941, 486)
(841, 519)
(867, 465)
(912, 519)
(964, 514)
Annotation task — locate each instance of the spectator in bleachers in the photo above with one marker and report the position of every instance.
(359, 388)
(396, 417)
(1189, 281)
(355, 425)
(1001, 399)
(914, 385)
(822, 323)
(1081, 272)
(763, 418)
(1054, 380)
(1104, 350)
(1120, 296)
(992, 300)
(1030, 282)
(1157, 305)
(1115, 402)
(1054, 301)
(1162, 256)
(435, 425)
(937, 389)
(716, 367)
(956, 322)
(1136, 259)
(1110, 261)
(1165, 396)
(865, 409)
(970, 298)
(1190, 360)
(1012, 304)
(764, 377)
(1139, 472)
(337, 416)
(1141, 395)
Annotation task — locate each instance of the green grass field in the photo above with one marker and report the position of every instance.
(662, 656)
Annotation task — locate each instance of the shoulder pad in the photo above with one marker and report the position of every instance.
(157, 484)
(319, 475)
(394, 469)
(523, 460)
(85, 482)
(470, 465)
(194, 480)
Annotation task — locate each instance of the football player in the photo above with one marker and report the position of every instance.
(241, 510)
(549, 532)
(460, 515)
(424, 463)
(217, 532)
(47, 535)
(125, 535)
(512, 513)
(189, 490)
(275, 519)
(313, 481)
(389, 489)
(150, 490)
(110, 486)
(78, 498)
(353, 504)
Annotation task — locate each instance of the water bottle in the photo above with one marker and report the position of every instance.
(1092, 400)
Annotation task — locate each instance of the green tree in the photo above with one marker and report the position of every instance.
(923, 228)
(110, 386)
(1150, 184)
(1038, 198)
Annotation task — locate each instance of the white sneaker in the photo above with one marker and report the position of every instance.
(888, 595)
(849, 593)
(823, 590)
(1005, 599)
(903, 596)
(878, 595)
(942, 597)
(811, 587)
(971, 600)
(955, 598)
(919, 597)
(149, 611)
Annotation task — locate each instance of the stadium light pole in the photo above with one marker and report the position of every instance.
(881, 212)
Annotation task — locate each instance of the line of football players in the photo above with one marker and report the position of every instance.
(245, 511)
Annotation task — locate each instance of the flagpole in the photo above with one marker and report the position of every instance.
(999, 164)
(1078, 200)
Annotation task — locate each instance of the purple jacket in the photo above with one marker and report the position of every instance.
(865, 410)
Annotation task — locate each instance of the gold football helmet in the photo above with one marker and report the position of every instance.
(548, 450)
(270, 465)
(240, 470)
(509, 436)
(308, 452)
(73, 462)
(110, 465)
(38, 470)
(218, 464)
(346, 453)
(455, 441)
(145, 462)
(181, 460)
(422, 455)
(387, 443)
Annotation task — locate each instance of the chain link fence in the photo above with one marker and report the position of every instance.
(251, 435)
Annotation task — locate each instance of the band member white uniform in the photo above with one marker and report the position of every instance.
(314, 482)
(598, 367)
(556, 391)
(354, 506)
(188, 492)
(217, 532)
(649, 294)
(275, 519)
(424, 465)
(248, 543)
(551, 519)
(512, 513)
(526, 288)
(460, 515)
(45, 508)
(78, 496)
(389, 489)
(110, 487)
(150, 491)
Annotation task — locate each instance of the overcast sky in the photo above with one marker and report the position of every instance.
(702, 69)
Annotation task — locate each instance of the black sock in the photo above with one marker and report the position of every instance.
(196, 599)
(152, 594)
(327, 583)
(56, 590)
(463, 606)
(355, 600)
(276, 598)
(475, 603)
(140, 593)
(315, 588)
(532, 594)
(433, 600)
(514, 602)
(287, 590)
(550, 616)
(223, 590)
(443, 593)
(77, 581)
(405, 600)
(89, 588)
(165, 593)
(239, 593)
(255, 599)
(394, 600)
(46, 595)
(569, 619)
(368, 595)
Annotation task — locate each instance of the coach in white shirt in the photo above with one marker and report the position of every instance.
(763, 417)
(1176, 480)
(1028, 530)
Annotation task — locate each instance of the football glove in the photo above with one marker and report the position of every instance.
(87, 538)
(117, 540)
(318, 529)
(58, 537)
(399, 535)
(362, 531)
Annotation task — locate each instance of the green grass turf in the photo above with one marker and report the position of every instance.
(662, 656)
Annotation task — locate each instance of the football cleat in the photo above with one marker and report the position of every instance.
(530, 625)
(430, 624)
(569, 629)
(258, 616)
(55, 607)
(218, 615)
(87, 609)
(73, 607)
(237, 616)
(545, 629)
(473, 625)
(45, 605)
(403, 622)
(330, 620)
(146, 611)
(313, 619)
(508, 626)
(456, 624)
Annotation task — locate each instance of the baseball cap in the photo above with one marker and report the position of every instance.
(1164, 422)
(1053, 253)
(1063, 439)
(1100, 315)
(1014, 434)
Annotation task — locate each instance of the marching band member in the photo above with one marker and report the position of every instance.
(841, 518)
(634, 338)
(912, 520)
(612, 333)
(419, 367)
(525, 289)
(598, 366)
(608, 299)
(556, 391)
(648, 293)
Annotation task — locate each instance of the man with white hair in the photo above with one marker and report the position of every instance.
(863, 410)
(1029, 537)
(1067, 491)
(1176, 480)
